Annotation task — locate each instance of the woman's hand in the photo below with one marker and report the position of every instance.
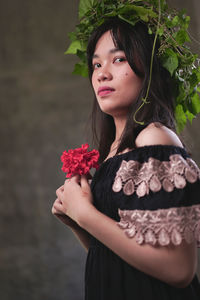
(57, 210)
(74, 199)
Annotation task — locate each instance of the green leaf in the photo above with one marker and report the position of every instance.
(161, 30)
(142, 12)
(126, 20)
(85, 6)
(111, 14)
(180, 117)
(187, 22)
(72, 36)
(196, 103)
(170, 61)
(184, 19)
(198, 74)
(175, 21)
(80, 69)
(190, 116)
(181, 92)
(181, 37)
(82, 55)
(188, 59)
(75, 46)
(150, 31)
(194, 80)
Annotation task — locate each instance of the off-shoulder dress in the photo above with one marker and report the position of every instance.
(153, 194)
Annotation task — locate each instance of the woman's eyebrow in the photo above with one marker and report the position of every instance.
(111, 51)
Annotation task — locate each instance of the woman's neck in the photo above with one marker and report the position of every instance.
(120, 124)
(119, 127)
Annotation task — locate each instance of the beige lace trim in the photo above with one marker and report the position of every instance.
(162, 226)
(134, 177)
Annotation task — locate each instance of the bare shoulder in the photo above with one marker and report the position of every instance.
(157, 134)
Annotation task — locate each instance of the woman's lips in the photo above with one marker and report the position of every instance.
(105, 90)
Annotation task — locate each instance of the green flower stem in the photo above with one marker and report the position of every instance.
(144, 100)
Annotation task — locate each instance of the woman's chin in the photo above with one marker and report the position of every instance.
(113, 111)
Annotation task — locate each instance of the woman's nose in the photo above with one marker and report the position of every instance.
(104, 75)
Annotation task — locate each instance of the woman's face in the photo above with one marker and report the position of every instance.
(115, 84)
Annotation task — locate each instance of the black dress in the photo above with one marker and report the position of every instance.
(153, 193)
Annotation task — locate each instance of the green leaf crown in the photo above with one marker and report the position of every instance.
(174, 52)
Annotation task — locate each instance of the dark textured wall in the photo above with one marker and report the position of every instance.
(43, 109)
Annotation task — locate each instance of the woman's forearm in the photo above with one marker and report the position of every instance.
(173, 265)
(82, 235)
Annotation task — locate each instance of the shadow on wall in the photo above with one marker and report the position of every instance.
(43, 111)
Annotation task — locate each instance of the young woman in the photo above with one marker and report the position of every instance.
(139, 219)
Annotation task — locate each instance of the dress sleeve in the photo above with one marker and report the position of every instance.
(160, 197)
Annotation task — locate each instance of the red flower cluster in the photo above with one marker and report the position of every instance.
(79, 161)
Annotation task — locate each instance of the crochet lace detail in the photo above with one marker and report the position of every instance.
(140, 178)
(162, 226)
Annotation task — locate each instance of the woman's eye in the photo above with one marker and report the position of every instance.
(119, 59)
(96, 65)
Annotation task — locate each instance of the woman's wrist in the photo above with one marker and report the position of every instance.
(83, 216)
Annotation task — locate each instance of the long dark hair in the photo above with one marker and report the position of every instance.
(137, 44)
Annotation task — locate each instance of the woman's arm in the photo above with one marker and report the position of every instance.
(83, 236)
(175, 265)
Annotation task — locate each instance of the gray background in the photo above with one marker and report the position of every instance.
(43, 112)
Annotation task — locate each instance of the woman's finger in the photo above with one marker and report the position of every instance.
(58, 209)
(75, 178)
(60, 190)
(57, 201)
(72, 180)
(84, 182)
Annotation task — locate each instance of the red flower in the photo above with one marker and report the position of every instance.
(79, 161)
